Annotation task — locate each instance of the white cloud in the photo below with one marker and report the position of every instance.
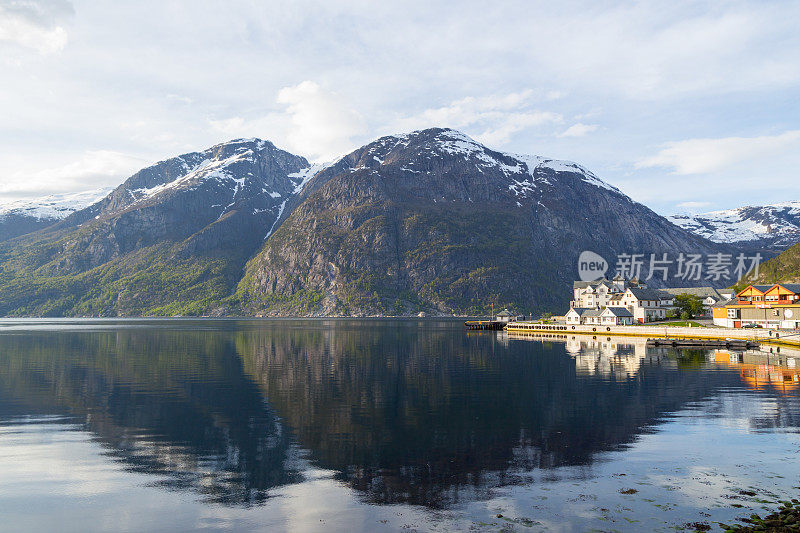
(698, 156)
(578, 130)
(652, 72)
(494, 119)
(93, 169)
(315, 123)
(35, 24)
(642, 51)
(320, 124)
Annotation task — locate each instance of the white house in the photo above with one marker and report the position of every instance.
(591, 294)
(573, 316)
(616, 316)
(580, 315)
(592, 298)
(504, 316)
(646, 305)
(597, 294)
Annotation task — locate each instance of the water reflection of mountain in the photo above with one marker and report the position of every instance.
(415, 416)
(402, 411)
(173, 404)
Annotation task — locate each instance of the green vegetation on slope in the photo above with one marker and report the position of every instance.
(149, 282)
(785, 268)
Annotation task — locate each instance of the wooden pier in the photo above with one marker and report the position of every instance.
(492, 325)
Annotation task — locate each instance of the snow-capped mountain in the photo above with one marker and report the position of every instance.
(774, 227)
(19, 217)
(250, 172)
(435, 221)
(525, 172)
(220, 201)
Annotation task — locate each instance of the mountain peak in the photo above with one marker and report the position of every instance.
(233, 164)
(435, 143)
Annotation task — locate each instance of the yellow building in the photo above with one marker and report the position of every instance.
(774, 306)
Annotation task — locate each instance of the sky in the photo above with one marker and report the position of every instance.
(685, 106)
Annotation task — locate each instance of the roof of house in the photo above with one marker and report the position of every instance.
(584, 284)
(619, 311)
(702, 292)
(794, 287)
(724, 303)
(585, 311)
(648, 294)
(504, 312)
(760, 288)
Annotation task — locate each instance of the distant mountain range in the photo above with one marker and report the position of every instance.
(430, 221)
(25, 216)
(772, 227)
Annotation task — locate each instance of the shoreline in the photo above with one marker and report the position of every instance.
(772, 337)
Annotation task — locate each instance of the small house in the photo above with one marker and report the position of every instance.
(616, 316)
(574, 315)
(504, 316)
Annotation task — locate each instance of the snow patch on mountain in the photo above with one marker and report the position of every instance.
(511, 164)
(775, 225)
(302, 177)
(208, 169)
(53, 207)
(299, 178)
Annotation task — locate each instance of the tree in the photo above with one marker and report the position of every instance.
(689, 305)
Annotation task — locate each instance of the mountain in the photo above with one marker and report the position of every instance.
(25, 216)
(770, 227)
(436, 222)
(172, 239)
(428, 222)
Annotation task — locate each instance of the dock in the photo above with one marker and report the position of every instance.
(731, 344)
(665, 333)
(492, 325)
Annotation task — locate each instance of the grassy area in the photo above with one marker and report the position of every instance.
(683, 324)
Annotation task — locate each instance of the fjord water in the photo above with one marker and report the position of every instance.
(366, 425)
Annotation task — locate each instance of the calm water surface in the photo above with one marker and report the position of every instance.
(375, 425)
